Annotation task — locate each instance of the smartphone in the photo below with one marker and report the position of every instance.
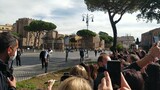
(114, 70)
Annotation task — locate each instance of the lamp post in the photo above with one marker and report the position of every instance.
(86, 17)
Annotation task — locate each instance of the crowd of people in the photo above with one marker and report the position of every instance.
(139, 70)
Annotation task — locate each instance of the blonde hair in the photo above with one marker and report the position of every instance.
(79, 70)
(75, 83)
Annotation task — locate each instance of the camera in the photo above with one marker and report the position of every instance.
(114, 70)
(65, 76)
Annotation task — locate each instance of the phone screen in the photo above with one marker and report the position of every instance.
(114, 70)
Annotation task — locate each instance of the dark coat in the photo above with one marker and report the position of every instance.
(4, 74)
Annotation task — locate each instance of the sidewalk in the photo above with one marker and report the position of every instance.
(57, 62)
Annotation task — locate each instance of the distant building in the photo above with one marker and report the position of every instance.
(97, 43)
(6, 28)
(92, 43)
(75, 41)
(80, 42)
(26, 38)
(53, 40)
(126, 41)
(150, 37)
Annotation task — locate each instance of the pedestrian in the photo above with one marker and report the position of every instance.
(8, 51)
(95, 51)
(44, 57)
(86, 54)
(18, 57)
(67, 51)
(81, 51)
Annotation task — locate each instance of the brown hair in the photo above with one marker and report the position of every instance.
(79, 70)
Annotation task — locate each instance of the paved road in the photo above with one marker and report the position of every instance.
(31, 65)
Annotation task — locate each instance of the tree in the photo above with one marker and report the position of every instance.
(86, 35)
(104, 36)
(115, 8)
(73, 40)
(16, 34)
(39, 26)
(149, 10)
(119, 47)
(31, 34)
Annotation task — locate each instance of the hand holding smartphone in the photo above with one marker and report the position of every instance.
(114, 70)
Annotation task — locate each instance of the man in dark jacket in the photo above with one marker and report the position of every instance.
(18, 57)
(81, 52)
(44, 57)
(102, 64)
(8, 52)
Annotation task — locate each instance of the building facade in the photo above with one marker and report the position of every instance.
(150, 37)
(87, 42)
(26, 38)
(53, 40)
(6, 28)
(126, 41)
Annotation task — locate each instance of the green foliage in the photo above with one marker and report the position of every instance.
(39, 25)
(104, 36)
(103, 33)
(119, 47)
(73, 40)
(86, 33)
(114, 8)
(16, 34)
(150, 10)
(28, 86)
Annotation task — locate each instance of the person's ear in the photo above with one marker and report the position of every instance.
(9, 50)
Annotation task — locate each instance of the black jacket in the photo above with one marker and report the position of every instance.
(4, 73)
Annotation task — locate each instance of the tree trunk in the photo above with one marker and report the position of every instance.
(113, 24)
(39, 35)
(35, 40)
(30, 36)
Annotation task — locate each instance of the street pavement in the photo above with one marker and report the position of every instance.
(31, 65)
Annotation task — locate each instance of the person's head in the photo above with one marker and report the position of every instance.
(79, 70)
(8, 48)
(134, 79)
(75, 83)
(49, 49)
(152, 81)
(18, 49)
(102, 60)
(132, 58)
(86, 66)
(93, 71)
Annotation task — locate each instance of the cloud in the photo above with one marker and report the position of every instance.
(67, 15)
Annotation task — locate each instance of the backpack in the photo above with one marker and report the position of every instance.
(42, 54)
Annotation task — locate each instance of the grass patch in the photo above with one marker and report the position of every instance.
(37, 83)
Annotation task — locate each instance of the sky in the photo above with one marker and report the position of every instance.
(67, 16)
